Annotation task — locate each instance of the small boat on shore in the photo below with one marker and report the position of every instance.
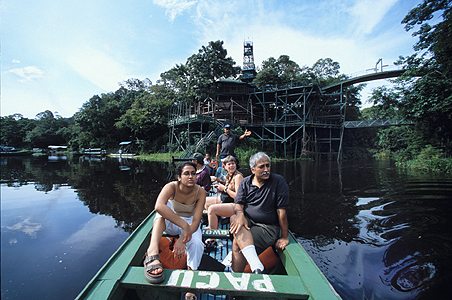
(93, 152)
(122, 276)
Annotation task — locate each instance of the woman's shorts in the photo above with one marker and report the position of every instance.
(225, 198)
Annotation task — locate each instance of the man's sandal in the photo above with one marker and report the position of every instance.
(153, 278)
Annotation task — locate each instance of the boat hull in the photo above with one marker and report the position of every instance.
(122, 277)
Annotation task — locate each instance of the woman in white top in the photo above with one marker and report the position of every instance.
(179, 209)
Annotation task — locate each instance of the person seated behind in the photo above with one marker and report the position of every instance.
(207, 158)
(223, 204)
(260, 218)
(179, 209)
(220, 174)
(202, 172)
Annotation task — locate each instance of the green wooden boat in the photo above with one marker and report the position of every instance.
(122, 276)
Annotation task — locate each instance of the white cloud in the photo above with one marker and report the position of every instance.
(366, 14)
(175, 7)
(15, 61)
(27, 227)
(28, 73)
(85, 240)
(273, 35)
(97, 67)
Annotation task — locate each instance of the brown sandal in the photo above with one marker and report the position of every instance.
(153, 278)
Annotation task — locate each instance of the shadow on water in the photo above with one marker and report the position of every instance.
(375, 232)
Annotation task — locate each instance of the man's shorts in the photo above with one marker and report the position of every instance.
(264, 235)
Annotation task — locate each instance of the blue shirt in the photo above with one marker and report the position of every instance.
(260, 204)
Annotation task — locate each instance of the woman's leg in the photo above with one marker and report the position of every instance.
(219, 210)
(211, 200)
(153, 249)
(195, 249)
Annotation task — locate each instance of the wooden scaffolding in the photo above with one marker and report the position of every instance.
(292, 120)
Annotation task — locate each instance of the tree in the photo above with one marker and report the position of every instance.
(176, 82)
(134, 84)
(385, 106)
(435, 38)
(428, 100)
(97, 118)
(325, 70)
(13, 130)
(48, 130)
(280, 71)
(147, 117)
(207, 66)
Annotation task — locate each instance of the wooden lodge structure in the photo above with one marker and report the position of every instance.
(293, 120)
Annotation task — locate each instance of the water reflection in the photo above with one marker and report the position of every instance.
(125, 190)
(376, 233)
(385, 235)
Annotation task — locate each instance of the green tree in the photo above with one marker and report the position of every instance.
(428, 99)
(48, 130)
(175, 82)
(97, 118)
(13, 130)
(280, 71)
(147, 117)
(207, 66)
(326, 71)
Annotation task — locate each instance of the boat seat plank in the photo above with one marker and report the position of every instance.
(210, 233)
(245, 284)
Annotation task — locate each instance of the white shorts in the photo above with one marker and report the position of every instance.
(194, 247)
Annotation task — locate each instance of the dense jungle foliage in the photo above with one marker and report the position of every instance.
(138, 110)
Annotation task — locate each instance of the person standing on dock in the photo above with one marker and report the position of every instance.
(228, 141)
(260, 218)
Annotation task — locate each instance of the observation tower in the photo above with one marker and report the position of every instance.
(248, 69)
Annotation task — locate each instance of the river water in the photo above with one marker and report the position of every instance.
(376, 232)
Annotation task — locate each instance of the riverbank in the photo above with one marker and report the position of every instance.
(166, 156)
(243, 156)
(428, 159)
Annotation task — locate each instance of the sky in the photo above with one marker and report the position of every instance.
(56, 55)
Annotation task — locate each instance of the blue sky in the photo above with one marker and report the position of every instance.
(55, 55)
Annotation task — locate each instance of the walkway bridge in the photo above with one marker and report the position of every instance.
(364, 78)
(375, 123)
(291, 120)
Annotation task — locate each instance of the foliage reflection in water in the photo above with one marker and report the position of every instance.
(375, 232)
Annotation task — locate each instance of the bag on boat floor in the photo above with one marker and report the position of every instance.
(169, 261)
(167, 258)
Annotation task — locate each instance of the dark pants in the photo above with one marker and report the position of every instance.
(264, 235)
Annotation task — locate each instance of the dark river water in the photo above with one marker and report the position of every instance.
(376, 232)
